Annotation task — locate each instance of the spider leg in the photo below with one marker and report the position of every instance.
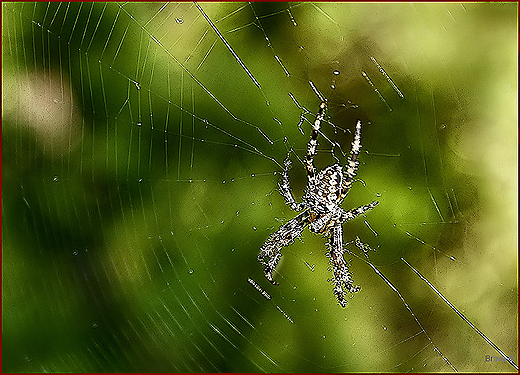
(285, 188)
(313, 143)
(270, 251)
(352, 214)
(342, 278)
(352, 162)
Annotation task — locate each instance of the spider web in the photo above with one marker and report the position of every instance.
(142, 146)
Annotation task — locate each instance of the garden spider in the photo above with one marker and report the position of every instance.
(324, 193)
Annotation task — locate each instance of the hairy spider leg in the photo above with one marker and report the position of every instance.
(285, 188)
(352, 214)
(270, 251)
(352, 162)
(342, 277)
(313, 143)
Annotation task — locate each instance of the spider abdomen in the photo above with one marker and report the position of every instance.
(319, 223)
(325, 190)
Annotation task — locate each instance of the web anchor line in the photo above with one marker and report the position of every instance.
(376, 90)
(507, 358)
(435, 348)
(382, 71)
(228, 46)
(317, 92)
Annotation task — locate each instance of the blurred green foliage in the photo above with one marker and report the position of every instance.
(140, 164)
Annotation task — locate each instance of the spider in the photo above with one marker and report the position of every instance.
(320, 204)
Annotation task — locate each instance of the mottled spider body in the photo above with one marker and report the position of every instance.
(323, 196)
(324, 193)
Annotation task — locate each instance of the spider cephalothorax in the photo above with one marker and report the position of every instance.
(321, 202)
